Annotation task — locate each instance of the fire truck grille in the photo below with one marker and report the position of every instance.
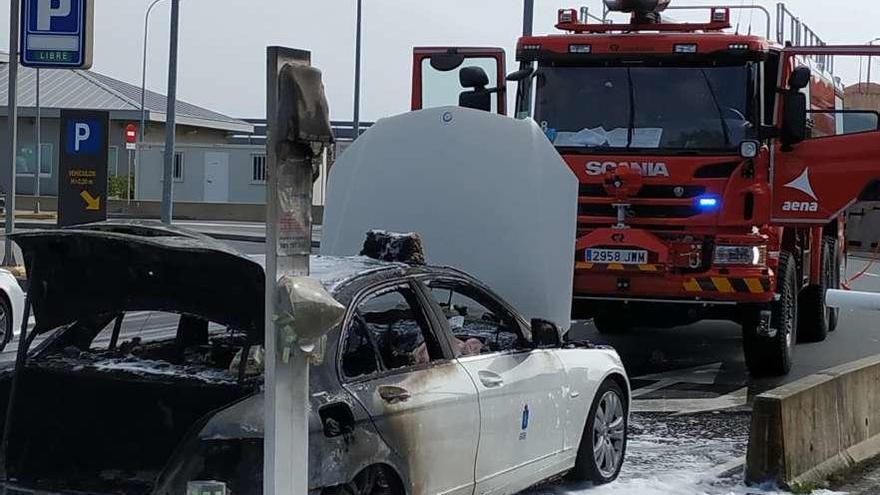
(648, 192)
(639, 211)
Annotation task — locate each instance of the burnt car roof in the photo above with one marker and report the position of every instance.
(336, 271)
(116, 266)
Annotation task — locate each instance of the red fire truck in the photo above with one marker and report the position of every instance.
(714, 166)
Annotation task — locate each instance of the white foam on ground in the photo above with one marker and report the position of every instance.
(662, 460)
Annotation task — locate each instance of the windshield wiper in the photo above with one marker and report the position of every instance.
(631, 131)
(724, 127)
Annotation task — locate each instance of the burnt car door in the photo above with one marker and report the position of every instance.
(422, 401)
(521, 389)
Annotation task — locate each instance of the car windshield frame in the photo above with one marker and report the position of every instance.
(631, 111)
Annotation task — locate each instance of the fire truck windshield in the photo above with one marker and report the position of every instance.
(670, 109)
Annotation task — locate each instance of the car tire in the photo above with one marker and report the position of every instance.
(6, 322)
(612, 323)
(374, 480)
(814, 319)
(772, 356)
(606, 432)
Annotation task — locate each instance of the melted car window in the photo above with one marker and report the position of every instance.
(359, 357)
(477, 328)
(391, 323)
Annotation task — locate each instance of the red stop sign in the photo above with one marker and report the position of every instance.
(131, 133)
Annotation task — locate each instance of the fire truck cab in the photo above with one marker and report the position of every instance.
(714, 166)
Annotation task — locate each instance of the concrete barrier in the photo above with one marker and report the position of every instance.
(233, 212)
(822, 424)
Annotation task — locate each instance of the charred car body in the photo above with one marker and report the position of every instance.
(432, 384)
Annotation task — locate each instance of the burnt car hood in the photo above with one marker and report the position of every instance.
(110, 267)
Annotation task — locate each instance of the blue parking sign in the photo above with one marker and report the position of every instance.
(82, 166)
(57, 33)
(83, 136)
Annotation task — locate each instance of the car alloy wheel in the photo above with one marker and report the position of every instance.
(608, 434)
(5, 324)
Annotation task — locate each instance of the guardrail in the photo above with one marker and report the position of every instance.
(233, 212)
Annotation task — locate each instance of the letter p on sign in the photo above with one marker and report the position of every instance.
(84, 137)
(46, 11)
(83, 132)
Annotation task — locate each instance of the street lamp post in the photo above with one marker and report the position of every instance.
(528, 17)
(356, 120)
(170, 116)
(142, 128)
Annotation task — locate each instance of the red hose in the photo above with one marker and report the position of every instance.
(859, 275)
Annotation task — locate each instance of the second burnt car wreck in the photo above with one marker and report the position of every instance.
(431, 383)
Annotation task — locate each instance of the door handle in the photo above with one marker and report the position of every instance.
(394, 395)
(490, 379)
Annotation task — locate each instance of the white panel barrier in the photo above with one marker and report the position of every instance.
(488, 194)
(850, 299)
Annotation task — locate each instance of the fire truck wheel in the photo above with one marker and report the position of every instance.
(612, 323)
(815, 317)
(770, 355)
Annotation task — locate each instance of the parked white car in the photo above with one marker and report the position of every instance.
(11, 307)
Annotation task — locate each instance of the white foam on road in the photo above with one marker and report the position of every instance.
(684, 458)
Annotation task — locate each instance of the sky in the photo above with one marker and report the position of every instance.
(223, 42)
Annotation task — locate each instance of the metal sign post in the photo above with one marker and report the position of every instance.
(39, 139)
(131, 146)
(11, 131)
(298, 127)
(171, 115)
(82, 168)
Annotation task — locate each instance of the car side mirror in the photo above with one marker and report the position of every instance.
(479, 97)
(545, 334)
(794, 119)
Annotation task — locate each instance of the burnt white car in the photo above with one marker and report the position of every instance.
(431, 384)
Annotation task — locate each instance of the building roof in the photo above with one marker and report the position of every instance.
(863, 88)
(83, 89)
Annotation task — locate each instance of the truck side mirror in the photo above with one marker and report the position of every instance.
(520, 75)
(800, 78)
(479, 97)
(794, 119)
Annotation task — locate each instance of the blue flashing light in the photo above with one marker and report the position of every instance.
(708, 202)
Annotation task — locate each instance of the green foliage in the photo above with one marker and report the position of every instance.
(116, 187)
